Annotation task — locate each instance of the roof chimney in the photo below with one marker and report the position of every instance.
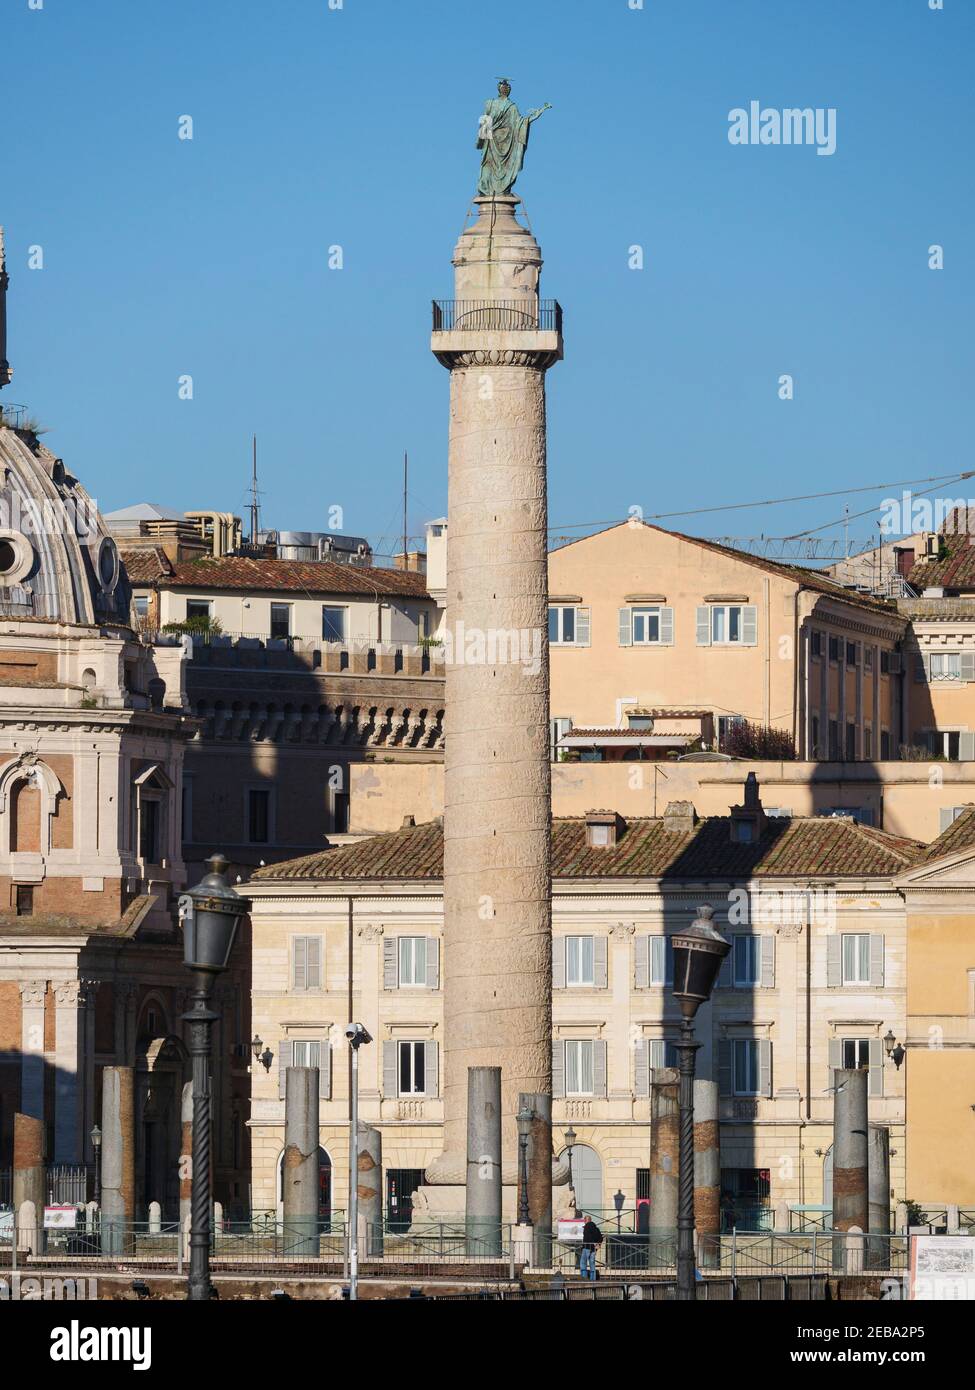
(748, 819)
(680, 817)
(603, 829)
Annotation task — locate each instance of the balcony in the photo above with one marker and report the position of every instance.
(497, 316)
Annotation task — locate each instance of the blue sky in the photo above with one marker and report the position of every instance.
(315, 127)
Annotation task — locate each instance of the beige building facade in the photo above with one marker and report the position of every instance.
(816, 978)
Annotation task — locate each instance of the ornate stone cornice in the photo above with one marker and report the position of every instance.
(540, 359)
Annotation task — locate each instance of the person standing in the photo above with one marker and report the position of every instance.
(592, 1238)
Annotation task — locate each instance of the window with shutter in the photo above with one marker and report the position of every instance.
(703, 627)
(600, 962)
(284, 1062)
(624, 628)
(599, 1069)
(306, 962)
(641, 1066)
(642, 962)
(433, 962)
(558, 1070)
(390, 1088)
(390, 962)
(582, 627)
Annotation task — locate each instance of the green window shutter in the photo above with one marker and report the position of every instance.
(284, 1062)
(390, 1070)
(749, 625)
(625, 639)
(704, 626)
(600, 962)
(582, 627)
(875, 1077)
(667, 627)
(390, 962)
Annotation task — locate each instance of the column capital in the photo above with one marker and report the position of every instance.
(32, 993)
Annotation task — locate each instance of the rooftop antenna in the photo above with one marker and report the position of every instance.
(255, 509)
(406, 474)
(5, 371)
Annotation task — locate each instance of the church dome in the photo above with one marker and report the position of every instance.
(57, 560)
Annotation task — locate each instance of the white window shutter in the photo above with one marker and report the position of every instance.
(599, 1067)
(968, 666)
(765, 1067)
(667, 627)
(558, 1070)
(390, 1069)
(582, 627)
(284, 1062)
(946, 817)
(313, 962)
(299, 962)
(834, 962)
(642, 962)
(600, 962)
(390, 962)
(724, 1067)
(431, 1061)
(625, 639)
(835, 1054)
(767, 948)
(433, 962)
(876, 960)
(704, 626)
(875, 1078)
(641, 1075)
(324, 1070)
(966, 746)
(558, 963)
(749, 625)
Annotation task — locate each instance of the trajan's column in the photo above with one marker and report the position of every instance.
(498, 339)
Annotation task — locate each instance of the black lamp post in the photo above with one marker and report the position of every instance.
(266, 1057)
(96, 1144)
(524, 1120)
(618, 1200)
(894, 1050)
(698, 953)
(210, 914)
(570, 1139)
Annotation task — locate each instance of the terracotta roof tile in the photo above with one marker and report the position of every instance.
(959, 835)
(145, 564)
(817, 846)
(300, 576)
(956, 570)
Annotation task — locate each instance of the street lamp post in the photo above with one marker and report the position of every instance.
(524, 1120)
(618, 1200)
(894, 1050)
(96, 1144)
(357, 1035)
(570, 1139)
(698, 953)
(210, 914)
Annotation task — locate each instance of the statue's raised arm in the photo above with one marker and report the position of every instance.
(503, 137)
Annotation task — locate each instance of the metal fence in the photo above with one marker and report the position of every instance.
(500, 315)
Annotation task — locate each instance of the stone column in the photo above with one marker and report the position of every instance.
(186, 1154)
(850, 1181)
(118, 1158)
(69, 1044)
(299, 1169)
(540, 1174)
(484, 1160)
(370, 1188)
(707, 1174)
(878, 1192)
(32, 994)
(664, 1156)
(29, 1172)
(497, 879)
